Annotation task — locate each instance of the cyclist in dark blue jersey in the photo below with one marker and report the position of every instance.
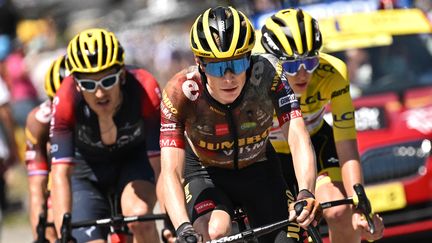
(104, 137)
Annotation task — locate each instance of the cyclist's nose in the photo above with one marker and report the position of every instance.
(228, 75)
(99, 92)
(302, 71)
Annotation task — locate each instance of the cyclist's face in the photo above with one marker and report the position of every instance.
(227, 88)
(300, 81)
(102, 100)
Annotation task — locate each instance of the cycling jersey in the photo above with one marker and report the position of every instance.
(36, 132)
(75, 125)
(227, 136)
(329, 85)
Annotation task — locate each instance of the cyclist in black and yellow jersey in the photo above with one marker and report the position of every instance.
(215, 119)
(319, 79)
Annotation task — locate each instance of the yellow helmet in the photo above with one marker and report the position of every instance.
(94, 50)
(222, 32)
(54, 76)
(291, 33)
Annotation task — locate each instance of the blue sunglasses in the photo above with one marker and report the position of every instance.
(218, 69)
(291, 67)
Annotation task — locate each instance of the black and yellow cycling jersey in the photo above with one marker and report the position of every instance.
(329, 85)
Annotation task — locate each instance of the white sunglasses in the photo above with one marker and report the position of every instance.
(90, 85)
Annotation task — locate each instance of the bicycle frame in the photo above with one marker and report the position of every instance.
(67, 225)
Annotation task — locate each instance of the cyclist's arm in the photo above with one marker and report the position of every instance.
(344, 124)
(61, 192)
(62, 149)
(350, 164)
(172, 161)
(6, 119)
(36, 132)
(37, 190)
(302, 152)
(155, 163)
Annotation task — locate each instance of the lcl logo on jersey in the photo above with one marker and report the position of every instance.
(190, 89)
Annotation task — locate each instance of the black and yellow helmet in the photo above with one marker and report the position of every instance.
(94, 50)
(222, 32)
(291, 33)
(54, 76)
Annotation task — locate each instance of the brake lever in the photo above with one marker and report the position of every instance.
(66, 233)
(40, 229)
(363, 204)
(311, 230)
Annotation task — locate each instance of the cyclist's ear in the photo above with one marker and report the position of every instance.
(199, 62)
(123, 75)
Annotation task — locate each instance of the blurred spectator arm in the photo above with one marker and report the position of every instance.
(8, 126)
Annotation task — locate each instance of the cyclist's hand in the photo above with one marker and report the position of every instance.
(168, 236)
(187, 234)
(311, 212)
(360, 223)
(168, 232)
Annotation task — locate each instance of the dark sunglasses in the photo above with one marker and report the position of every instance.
(218, 69)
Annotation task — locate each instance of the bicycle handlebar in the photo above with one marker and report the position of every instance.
(257, 232)
(115, 220)
(360, 201)
(364, 206)
(67, 225)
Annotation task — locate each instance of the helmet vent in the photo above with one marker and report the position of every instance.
(302, 28)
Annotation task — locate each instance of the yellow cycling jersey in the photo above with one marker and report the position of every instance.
(329, 85)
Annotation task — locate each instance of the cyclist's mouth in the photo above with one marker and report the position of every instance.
(230, 90)
(301, 85)
(103, 102)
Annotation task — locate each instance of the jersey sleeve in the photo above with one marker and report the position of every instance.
(342, 107)
(62, 123)
(36, 133)
(150, 104)
(284, 100)
(172, 125)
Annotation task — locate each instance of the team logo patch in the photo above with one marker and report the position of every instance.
(221, 129)
(190, 89)
(204, 206)
(248, 125)
(168, 127)
(287, 100)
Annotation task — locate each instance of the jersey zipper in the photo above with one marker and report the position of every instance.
(233, 130)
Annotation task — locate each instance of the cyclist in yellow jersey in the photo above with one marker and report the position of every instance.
(319, 79)
(37, 156)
